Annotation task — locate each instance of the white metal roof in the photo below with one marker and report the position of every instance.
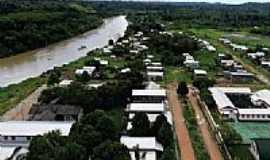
(154, 68)
(241, 74)
(33, 128)
(151, 117)
(155, 74)
(243, 90)
(146, 107)
(6, 152)
(65, 82)
(156, 63)
(254, 111)
(149, 92)
(200, 71)
(144, 143)
(262, 95)
(222, 101)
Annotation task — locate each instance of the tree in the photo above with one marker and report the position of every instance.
(111, 42)
(140, 125)
(53, 146)
(182, 89)
(54, 78)
(165, 135)
(110, 150)
(85, 77)
(160, 120)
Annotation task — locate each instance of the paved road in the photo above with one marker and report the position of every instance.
(210, 143)
(20, 112)
(183, 139)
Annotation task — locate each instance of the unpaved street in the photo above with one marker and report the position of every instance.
(183, 139)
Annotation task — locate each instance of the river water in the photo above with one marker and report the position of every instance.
(31, 64)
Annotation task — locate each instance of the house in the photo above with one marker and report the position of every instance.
(107, 50)
(259, 148)
(147, 147)
(125, 70)
(211, 48)
(150, 56)
(88, 69)
(199, 73)
(65, 83)
(147, 61)
(192, 64)
(154, 76)
(94, 85)
(238, 75)
(240, 48)
(103, 62)
(154, 68)
(19, 133)
(152, 85)
(149, 95)
(156, 64)
(261, 98)
(55, 112)
(152, 110)
(265, 64)
(156, 108)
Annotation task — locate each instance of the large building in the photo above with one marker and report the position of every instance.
(258, 110)
(19, 133)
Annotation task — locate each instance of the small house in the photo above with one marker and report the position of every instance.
(149, 95)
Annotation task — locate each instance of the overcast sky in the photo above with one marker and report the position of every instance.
(213, 1)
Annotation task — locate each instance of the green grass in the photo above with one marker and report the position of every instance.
(13, 94)
(176, 74)
(195, 134)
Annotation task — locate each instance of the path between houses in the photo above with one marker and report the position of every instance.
(183, 139)
(209, 141)
(20, 112)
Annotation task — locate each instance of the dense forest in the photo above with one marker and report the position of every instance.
(26, 25)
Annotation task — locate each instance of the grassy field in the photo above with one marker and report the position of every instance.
(13, 94)
(176, 74)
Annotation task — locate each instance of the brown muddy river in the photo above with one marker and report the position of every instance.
(31, 64)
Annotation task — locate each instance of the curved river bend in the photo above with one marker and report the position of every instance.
(31, 64)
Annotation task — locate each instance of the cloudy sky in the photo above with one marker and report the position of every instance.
(213, 1)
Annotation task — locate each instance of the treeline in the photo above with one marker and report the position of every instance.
(27, 25)
(196, 14)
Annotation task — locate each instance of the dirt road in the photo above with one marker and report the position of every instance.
(20, 112)
(210, 143)
(183, 139)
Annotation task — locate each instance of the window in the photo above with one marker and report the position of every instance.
(263, 116)
(13, 138)
(5, 138)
